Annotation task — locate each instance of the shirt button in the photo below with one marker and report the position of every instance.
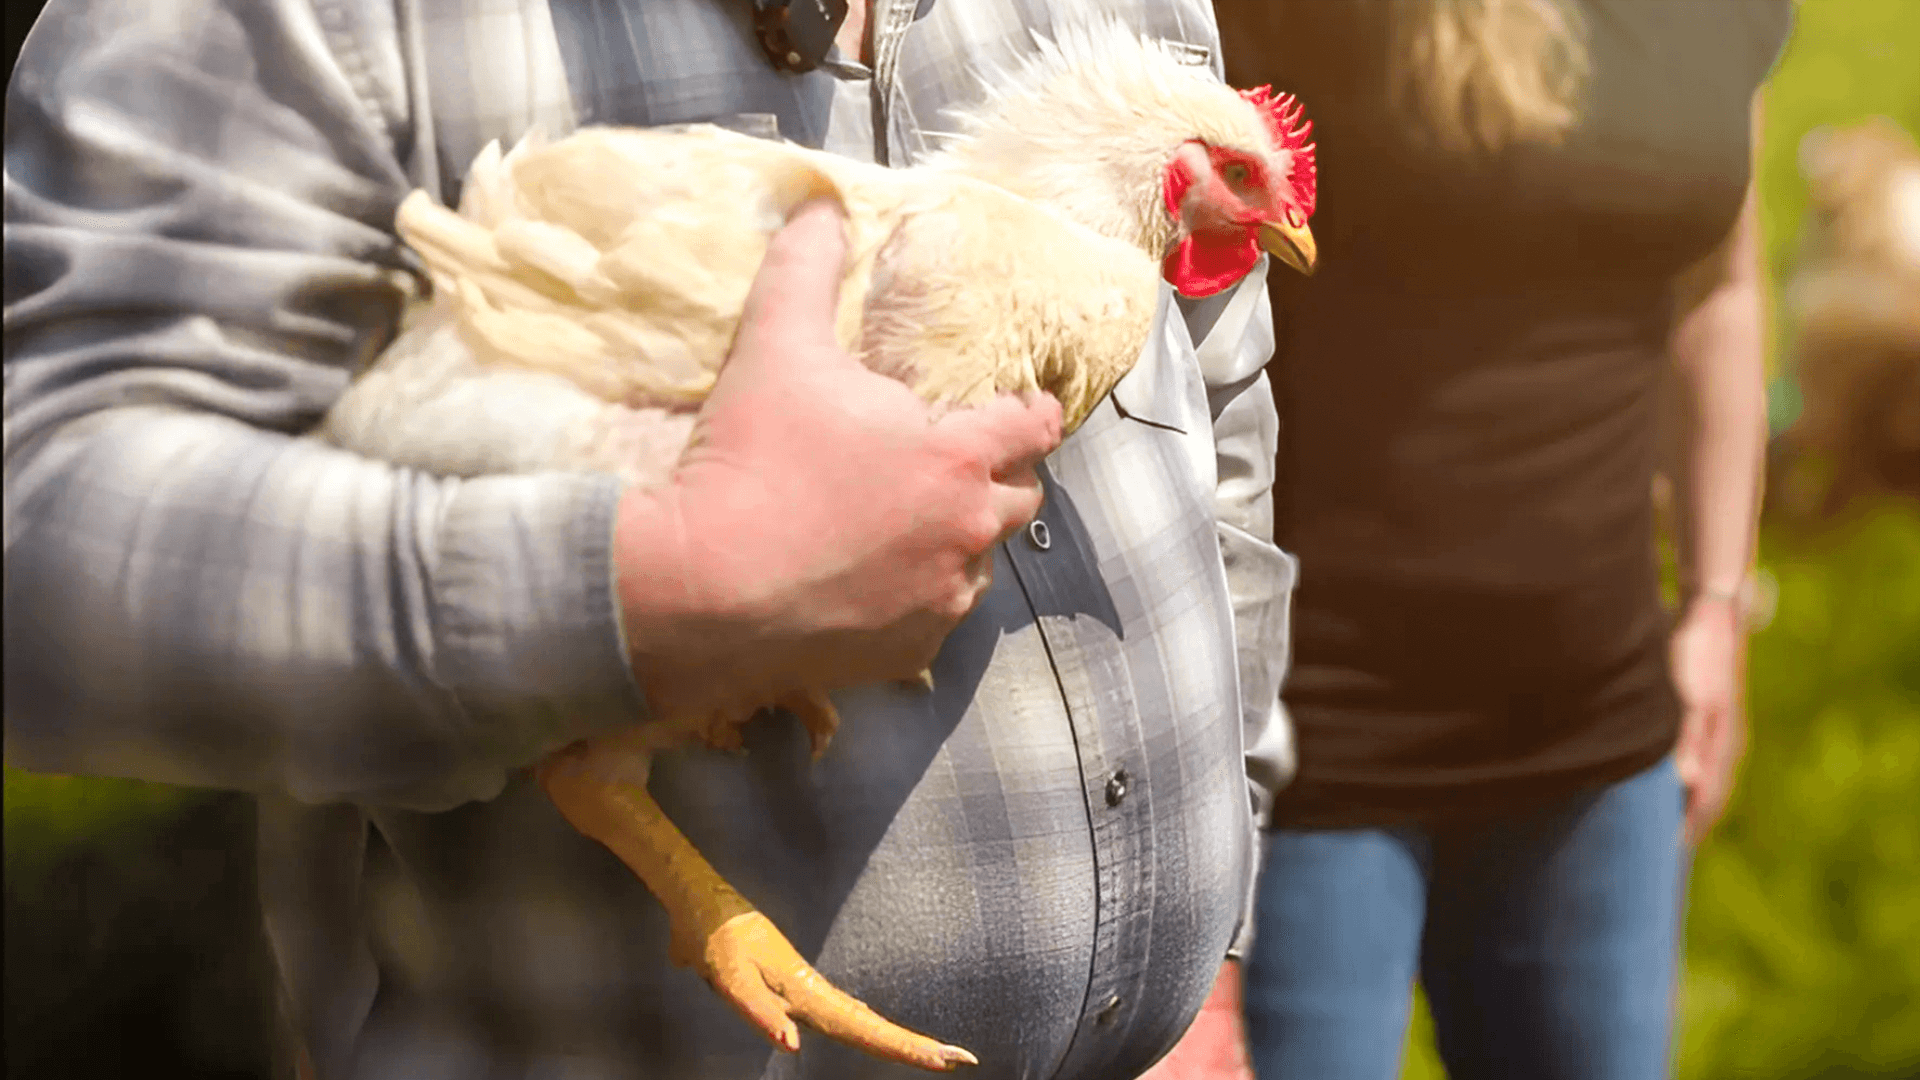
(1107, 1012)
(1038, 536)
(1117, 788)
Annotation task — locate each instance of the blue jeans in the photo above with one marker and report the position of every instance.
(1547, 942)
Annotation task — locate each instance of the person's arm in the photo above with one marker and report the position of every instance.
(199, 251)
(1720, 446)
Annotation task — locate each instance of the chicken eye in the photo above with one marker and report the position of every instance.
(1235, 174)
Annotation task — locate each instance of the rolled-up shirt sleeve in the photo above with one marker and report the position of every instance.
(199, 252)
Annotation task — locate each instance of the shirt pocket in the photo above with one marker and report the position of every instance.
(1156, 391)
(1165, 392)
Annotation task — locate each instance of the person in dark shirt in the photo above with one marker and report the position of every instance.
(1536, 218)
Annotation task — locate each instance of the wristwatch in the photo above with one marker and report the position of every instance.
(1753, 600)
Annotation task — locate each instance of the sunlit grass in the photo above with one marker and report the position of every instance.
(48, 815)
(1803, 942)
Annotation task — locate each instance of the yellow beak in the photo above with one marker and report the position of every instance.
(1290, 244)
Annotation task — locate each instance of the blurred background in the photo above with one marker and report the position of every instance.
(133, 944)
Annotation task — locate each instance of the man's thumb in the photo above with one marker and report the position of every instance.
(796, 292)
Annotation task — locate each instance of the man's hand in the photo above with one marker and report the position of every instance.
(1215, 1047)
(1706, 656)
(821, 528)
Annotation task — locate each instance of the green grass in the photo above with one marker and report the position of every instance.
(1803, 939)
(1803, 951)
(48, 816)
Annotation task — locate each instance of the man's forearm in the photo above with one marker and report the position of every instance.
(195, 262)
(192, 601)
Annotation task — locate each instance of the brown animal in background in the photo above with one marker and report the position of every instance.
(1856, 300)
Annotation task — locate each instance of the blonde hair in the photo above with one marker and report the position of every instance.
(1487, 74)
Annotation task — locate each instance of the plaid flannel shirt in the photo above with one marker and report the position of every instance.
(1045, 861)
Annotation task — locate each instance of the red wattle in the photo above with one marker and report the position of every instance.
(1200, 266)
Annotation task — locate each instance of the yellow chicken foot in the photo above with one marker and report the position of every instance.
(739, 951)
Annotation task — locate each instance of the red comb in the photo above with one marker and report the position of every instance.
(1281, 114)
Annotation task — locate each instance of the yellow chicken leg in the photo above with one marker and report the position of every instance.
(739, 951)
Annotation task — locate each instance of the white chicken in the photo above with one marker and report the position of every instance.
(588, 291)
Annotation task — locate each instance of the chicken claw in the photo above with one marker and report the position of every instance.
(751, 964)
(722, 731)
(601, 791)
(816, 712)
